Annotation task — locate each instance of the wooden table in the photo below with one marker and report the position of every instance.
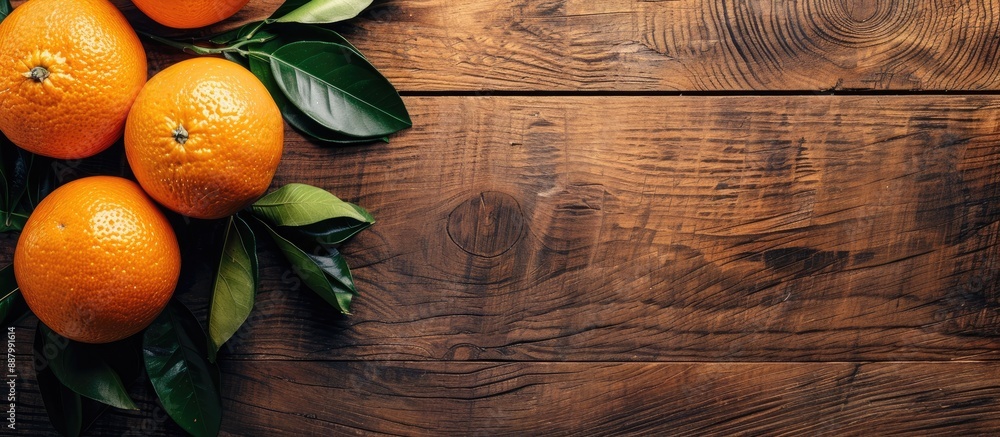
(691, 217)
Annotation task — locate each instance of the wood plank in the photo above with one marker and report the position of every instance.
(704, 45)
(684, 45)
(656, 229)
(475, 398)
(659, 228)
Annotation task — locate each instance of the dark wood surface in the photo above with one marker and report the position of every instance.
(634, 217)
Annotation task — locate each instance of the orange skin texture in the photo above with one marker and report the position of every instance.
(96, 67)
(97, 260)
(234, 138)
(189, 14)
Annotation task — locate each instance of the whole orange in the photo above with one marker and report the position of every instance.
(97, 261)
(204, 137)
(189, 14)
(69, 70)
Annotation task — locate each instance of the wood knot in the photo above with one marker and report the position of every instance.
(486, 225)
(862, 23)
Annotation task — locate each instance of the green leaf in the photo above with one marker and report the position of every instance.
(338, 89)
(63, 406)
(235, 285)
(325, 272)
(5, 9)
(292, 114)
(83, 369)
(260, 66)
(12, 305)
(335, 267)
(330, 232)
(320, 11)
(298, 204)
(187, 384)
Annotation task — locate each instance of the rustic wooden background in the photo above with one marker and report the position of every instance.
(640, 216)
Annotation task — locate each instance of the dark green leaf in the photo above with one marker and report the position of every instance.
(338, 89)
(293, 115)
(335, 267)
(235, 285)
(63, 406)
(325, 272)
(261, 67)
(5, 9)
(187, 384)
(329, 232)
(12, 305)
(298, 204)
(81, 368)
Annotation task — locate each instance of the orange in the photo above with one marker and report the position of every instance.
(97, 261)
(69, 70)
(204, 137)
(188, 14)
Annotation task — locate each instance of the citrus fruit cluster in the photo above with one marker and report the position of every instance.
(97, 259)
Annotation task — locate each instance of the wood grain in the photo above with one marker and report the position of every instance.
(475, 398)
(606, 398)
(658, 228)
(677, 45)
(682, 45)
